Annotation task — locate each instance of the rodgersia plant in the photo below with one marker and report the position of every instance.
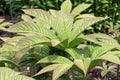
(63, 31)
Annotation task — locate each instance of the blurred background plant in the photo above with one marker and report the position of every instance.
(108, 70)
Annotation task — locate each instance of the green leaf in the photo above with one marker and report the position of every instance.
(20, 77)
(8, 47)
(5, 24)
(4, 60)
(106, 69)
(74, 52)
(11, 40)
(80, 25)
(101, 39)
(47, 69)
(55, 42)
(83, 64)
(101, 51)
(40, 22)
(32, 28)
(109, 42)
(101, 35)
(84, 16)
(8, 74)
(9, 44)
(111, 58)
(77, 10)
(89, 38)
(66, 6)
(61, 69)
(19, 55)
(88, 50)
(44, 16)
(76, 42)
(117, 52)
(63, 64)
(8, 55)
(54, 59)
(63, 25)
(53, 12)
(26, 18)
(32, 40)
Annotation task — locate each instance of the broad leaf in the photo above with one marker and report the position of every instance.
(47, 69)
(8, 74)
(8, 47)
(62, 65)
(53, 12)
(61, 69)
(110, 42)
(77, 10)
(26, 18)
(19, 54)
(84, 16)
(11, 40)
(74, 52)
(63, 24)
(54, 59)
(4, 60)
(111, 58)
(83, 64)
(66, 6)
(32, 27)
(101, 51)
(89, 38)
(55, 42)
(31, 41)
(41, 14)
(9, 44)
(3, 24)
(76, 42)
(103, 39)
(80, 25)
(21, 77)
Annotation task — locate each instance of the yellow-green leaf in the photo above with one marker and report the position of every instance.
(77, 10)
(61, 69)
(83, 64)
(47, 69)
(66, 6)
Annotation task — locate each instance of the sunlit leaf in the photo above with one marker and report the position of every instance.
(66, 6)
(80, 25)
(8, 74)
(83, 64)
(54, 59)
(77, 10)
(61, 69)
(47, 69)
